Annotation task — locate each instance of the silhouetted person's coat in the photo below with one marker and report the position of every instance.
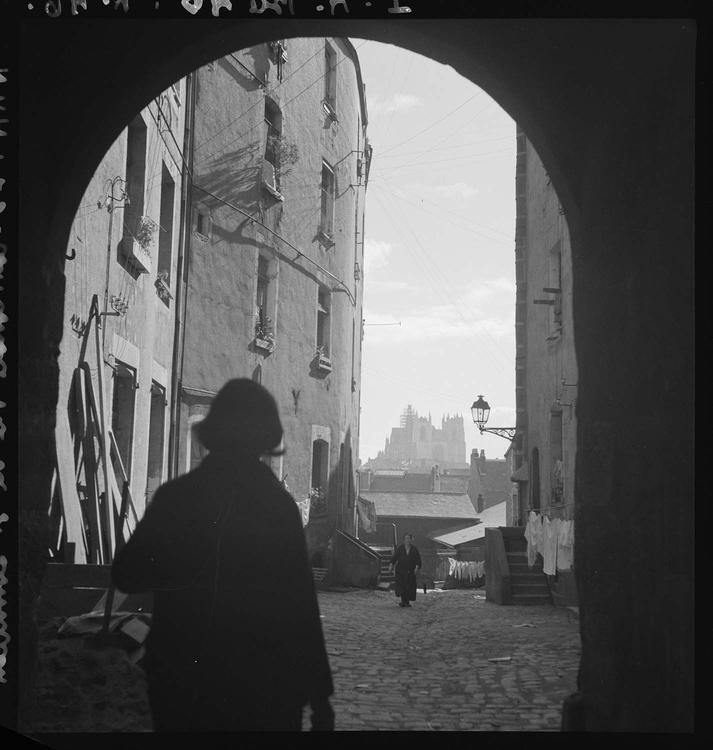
(236, 641)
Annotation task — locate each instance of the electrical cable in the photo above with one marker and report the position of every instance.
(432, 125)
(509, 243)
(401, 88)
(282, 107)
(433, 273)
(249, 109)
(257, 221)
(460, 158)
(436, 273)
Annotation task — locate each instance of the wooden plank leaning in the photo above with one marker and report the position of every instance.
(108, 505)
(97, 544)
(69, 497)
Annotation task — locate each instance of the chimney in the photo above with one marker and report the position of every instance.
(482, 461)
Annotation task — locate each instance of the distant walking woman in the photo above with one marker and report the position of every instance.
(236, 641)
(407, 560)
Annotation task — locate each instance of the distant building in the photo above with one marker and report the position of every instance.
(490, 482)
(418, 513)
(418, 443)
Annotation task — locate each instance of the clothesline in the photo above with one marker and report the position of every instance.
(553, 539)
(466, 570)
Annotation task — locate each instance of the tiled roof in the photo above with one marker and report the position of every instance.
(406, 482)
(421, 504)
(494, 516)
(454, 484)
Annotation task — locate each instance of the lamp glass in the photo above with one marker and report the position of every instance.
(480, 411)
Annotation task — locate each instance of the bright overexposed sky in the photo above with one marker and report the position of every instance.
(439, 249)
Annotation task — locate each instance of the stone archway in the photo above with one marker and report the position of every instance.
(609, 107)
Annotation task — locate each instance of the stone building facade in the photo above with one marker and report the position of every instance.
(122, 253)
(273, 287)
(545, 445)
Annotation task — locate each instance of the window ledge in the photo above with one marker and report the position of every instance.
(329, 109)
(163, 291)
(326, 238)
(323, 364)
(265, 345)
(140, 256)
(273, 191)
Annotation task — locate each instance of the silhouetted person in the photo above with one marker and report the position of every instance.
(236, 642)
(407, 561)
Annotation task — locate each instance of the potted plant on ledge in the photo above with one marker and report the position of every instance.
(322, 360)
(162, 288)
(264, 333)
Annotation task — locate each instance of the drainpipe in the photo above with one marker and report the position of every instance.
(182, 276)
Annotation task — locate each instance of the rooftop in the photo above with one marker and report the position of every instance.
(493, 516)
(421, 504)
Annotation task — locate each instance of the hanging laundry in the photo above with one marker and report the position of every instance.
(304, 507)
(533, 534)
(551, 531)
(367, 514)
(565, 545)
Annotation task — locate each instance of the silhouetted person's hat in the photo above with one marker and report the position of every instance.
(242, 418)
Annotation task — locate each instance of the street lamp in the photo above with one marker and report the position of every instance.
(481, 411)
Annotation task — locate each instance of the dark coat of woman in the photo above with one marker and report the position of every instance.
(405, 564)
(236, 640)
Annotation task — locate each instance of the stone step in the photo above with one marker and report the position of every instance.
(528, 581)
(526, 570)
(531, 599)
(525, 587)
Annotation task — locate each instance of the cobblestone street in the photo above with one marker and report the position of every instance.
(428, 668)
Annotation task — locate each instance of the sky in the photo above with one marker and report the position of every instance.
(439, 251)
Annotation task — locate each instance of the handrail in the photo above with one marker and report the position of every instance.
(365, 547)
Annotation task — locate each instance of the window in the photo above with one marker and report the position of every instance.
(330, 80)
(122, 413)
(135, 172)
(137, 227)
(535, 480)
(273, 123)
(556, 289)
(354, 383)
(195, 450)
(319, 477)
(328, 193)
(265, 302)
(165, 237)
(323, 322)
(556, 454)
(157, 419)
(203, 222)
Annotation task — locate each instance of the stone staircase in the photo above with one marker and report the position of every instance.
(528, 585)
(386, 577)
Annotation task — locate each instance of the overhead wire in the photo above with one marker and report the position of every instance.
(432, 274)
(459, 158)
(401, 88)
(282, 107)
(394, 188)
(432, 125)
(249, 109)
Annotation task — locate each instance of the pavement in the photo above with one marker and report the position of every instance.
(452, 662)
